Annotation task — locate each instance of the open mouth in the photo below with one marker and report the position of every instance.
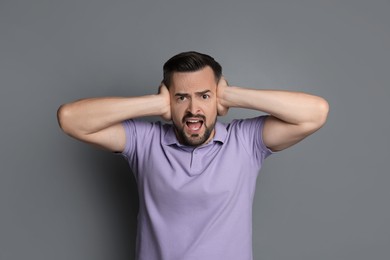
(194, 124)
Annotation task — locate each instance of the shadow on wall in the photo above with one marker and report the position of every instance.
(115, 191)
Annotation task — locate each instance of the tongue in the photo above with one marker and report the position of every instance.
(194, 126)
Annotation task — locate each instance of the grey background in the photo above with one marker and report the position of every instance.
(325, 198)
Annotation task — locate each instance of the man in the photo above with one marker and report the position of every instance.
(196, 176)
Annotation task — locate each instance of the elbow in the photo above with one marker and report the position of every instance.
(321, 114)
(318, 117)
(63, 117)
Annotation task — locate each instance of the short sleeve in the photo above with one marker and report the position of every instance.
(250, 131)
(138, 135)
(131, 138)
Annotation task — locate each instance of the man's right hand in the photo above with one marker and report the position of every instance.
(164, 93)
(222, 108)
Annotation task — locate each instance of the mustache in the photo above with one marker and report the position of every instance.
(190, 115)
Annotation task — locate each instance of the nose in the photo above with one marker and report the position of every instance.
(193, 107)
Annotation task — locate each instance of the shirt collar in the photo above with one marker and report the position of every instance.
(169, 137)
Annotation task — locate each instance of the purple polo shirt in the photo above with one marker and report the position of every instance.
(195, 203)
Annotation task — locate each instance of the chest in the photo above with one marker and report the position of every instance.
(195, 178)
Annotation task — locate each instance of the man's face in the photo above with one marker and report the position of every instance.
(194, 105)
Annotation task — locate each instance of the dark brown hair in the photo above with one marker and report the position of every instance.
(190, 61)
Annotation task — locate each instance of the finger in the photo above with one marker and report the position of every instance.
(223, 81)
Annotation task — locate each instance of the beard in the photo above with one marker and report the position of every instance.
(194, 139)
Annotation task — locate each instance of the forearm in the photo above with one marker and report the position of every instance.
(88, 116)
(291, 107)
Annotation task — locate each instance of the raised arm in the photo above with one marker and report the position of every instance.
(293, 115)
(98, 121)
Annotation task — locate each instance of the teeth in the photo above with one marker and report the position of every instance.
(193, 121)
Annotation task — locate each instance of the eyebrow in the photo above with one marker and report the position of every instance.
(203, 92)
(198, 93)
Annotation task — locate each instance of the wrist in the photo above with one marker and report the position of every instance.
(163, 105)
(227, 96)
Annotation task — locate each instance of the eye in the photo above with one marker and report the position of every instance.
(181, 98)
(205, 96)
